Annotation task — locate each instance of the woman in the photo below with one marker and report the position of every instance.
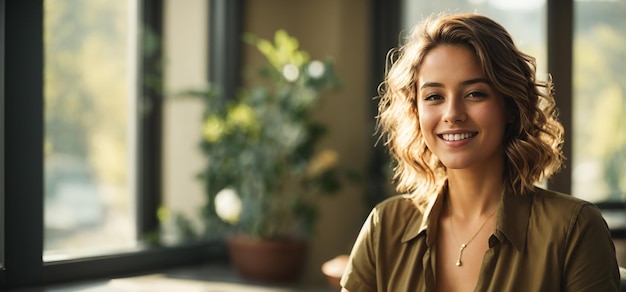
(472, 132)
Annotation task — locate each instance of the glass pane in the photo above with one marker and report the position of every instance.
(90, 138)
(599, 80)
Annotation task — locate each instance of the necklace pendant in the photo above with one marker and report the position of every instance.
(464, 245)
(458, 261)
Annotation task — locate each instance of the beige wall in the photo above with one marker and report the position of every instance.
(337, 28)
(185, 51)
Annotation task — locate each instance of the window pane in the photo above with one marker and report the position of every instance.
(90, 121)
(599, 80)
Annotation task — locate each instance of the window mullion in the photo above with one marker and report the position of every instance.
(23, 142)
(225, 42)
(150, 117)
(560, 44)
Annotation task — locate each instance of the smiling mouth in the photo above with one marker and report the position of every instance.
(457, 137)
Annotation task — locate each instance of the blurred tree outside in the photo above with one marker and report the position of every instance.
(599, 159)
(89, 89)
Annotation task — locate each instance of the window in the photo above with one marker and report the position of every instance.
(69, 149)
(599, 101)
(90, 143)
(599, 108)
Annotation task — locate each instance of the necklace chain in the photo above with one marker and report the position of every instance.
(464, 245)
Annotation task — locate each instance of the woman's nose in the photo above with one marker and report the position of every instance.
(454, 111)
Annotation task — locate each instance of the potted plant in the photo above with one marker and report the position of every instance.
(265, 172)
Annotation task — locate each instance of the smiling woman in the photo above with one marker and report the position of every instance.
(472, 132)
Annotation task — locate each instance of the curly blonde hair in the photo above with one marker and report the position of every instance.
(532, 142)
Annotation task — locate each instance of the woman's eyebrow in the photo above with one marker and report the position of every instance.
(475, 80)
(464, 83)
(431, 84)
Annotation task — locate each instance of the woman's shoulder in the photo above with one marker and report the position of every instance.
(396, 218)
(557, 199)
(397, 207)
(556, 204)
(403, 202)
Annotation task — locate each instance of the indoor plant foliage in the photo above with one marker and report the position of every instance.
(265, 172)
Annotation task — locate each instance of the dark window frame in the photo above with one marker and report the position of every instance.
(386, 18)
(150, 121)
(560, 34)
(2, 133)
(21, 99)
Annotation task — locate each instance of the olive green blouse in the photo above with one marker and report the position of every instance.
(543, 241)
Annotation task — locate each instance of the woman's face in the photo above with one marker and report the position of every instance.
(462, 117)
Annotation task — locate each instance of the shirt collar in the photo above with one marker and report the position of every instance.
(512, 218)
(511, 221)
(420, 222)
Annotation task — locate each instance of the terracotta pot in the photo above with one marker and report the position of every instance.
(268, 261)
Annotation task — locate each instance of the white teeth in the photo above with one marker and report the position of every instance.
(457, 137)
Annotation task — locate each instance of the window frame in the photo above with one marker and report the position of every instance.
(2, 9)
(386, 18)
(23, 153)
(560, 34)
(21, 99)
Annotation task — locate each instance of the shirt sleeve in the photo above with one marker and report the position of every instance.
(590, 260)
(360, 272)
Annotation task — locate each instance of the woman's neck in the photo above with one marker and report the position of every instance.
(474, 194)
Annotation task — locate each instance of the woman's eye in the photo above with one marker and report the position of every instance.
(433, 97)
(477, 94)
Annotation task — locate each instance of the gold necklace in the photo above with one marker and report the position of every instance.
(464, 245)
